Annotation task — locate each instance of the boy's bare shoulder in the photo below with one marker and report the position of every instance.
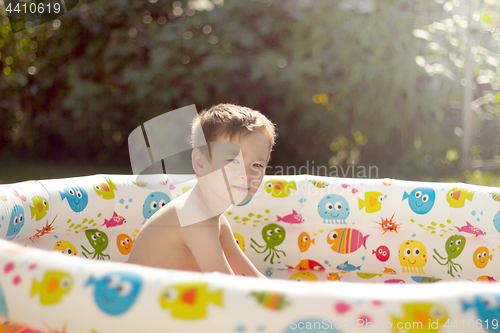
(166, 216)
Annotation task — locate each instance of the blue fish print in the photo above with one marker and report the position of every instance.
(77, 198)
(116, 292)
(347, 267)
(421, 199)
(16, 222)
(487, 308)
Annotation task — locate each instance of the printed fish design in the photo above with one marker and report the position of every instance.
(486, 278)
(190, 300)
(382, 253)
(456, 197)
(279, 188)
(105, 189)
(372, 202)
(469, 228)
(421, 199)
(346, 240)
(291, 218)
(77, 198)
(486, 307)
(422, 279)
(303, 276)
(388, 270)
(305, 241)
(306, 265)
(334, 276)
(388, 182)
(272, 300)
(420, 314)
(481, 257)
(53, 286)
(367, 276)
(116, 292)
(39, 208)
(319, 183)
(114, 221)
(347, 267)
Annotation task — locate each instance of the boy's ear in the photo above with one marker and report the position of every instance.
(200, 162)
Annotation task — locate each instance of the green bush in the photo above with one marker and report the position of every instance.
(342, 86)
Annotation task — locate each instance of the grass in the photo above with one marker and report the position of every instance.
(16, 171)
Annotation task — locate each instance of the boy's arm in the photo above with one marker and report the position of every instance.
(202, 239)
(239, 262)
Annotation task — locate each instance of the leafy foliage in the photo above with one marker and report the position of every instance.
(343, 87)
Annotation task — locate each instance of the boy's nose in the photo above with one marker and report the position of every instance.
(242, 172)
(244, 176)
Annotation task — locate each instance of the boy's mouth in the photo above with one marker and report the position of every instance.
(243, 189)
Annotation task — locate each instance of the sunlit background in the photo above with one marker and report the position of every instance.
(410, 87)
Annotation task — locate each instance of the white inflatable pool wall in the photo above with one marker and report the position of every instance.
(396, 237)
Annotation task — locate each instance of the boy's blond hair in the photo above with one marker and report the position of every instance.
(230, 120)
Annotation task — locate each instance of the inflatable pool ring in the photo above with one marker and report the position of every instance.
(424, 255)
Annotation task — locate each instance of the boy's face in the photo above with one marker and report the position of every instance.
(244, 162)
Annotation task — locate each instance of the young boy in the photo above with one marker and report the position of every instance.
(190, 232)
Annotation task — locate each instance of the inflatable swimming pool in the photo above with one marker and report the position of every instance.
(414, 246)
